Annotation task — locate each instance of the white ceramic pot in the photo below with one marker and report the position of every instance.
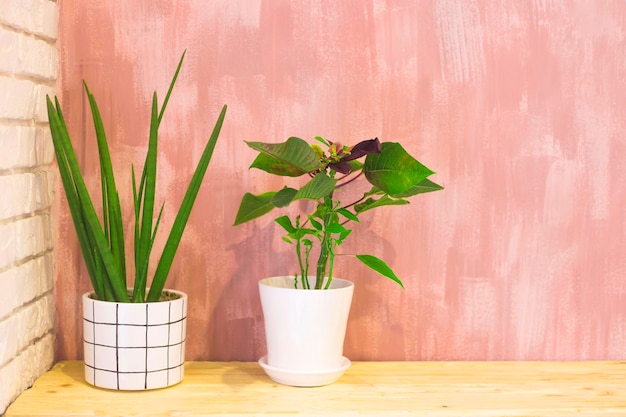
(305, 331)
(134, 346)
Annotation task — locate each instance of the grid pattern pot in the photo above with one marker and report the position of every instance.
(134, 346)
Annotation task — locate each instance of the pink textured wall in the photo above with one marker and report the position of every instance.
(518, 105)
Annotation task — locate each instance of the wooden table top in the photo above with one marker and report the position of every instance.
(367, 389)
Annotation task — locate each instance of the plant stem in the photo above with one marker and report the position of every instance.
(305, 281)
(338, 186)
(331, 264)
(355, 203)
(322, 261)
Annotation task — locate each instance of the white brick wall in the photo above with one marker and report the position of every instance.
(28, 68)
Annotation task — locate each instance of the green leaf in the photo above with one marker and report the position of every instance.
(112, 212)
(253, 206)
(343, 235)
(393, 170)
(379, 266)
(348, 214)
(92, 239)
(335, 228)
(145, 234)
(284, 197)
(355, 165)
(322, 140)
(275, 166)
(319, 187)
(426, 186)
(61, 142)
(374, 191)
(371, 203)
(317, 225)
(295, 152)
(285, 222)
(171, 87)
(173, 240)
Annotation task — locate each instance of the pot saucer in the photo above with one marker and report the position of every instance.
(304, 378)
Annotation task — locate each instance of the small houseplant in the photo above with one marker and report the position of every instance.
(134, 337)
(393, 176)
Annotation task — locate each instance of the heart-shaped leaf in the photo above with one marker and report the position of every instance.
(319, 187)
(295, 153)
(275, 166)
(393, 170)
(426, 186)
(253, 206)
(284, 197)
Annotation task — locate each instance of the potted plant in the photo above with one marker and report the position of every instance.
(134, 338)
(305, 330)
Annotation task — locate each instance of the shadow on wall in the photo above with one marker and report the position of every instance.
(236, 329)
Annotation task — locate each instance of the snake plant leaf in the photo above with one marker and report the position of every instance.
(112, 212)
(173, 240)
(393, 170)
(284, 197)
(253, 206)
(275, 166)
(379, 266)
(171, 87)
(295, 152)
(318, 187)
(59, 136)
(147, 214)
(372, 203)
(92, 239)
(144, 232)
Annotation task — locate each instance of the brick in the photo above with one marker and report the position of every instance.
(39, 17)
(16, 143)
(24, 55)
(24, 194)
(16, 100)
(23, 99)
(44, 149)
(20, 373)
(29, 63)
(25, 326)
(26, 282)
(40, 108)
(24, 238)
(25, 147)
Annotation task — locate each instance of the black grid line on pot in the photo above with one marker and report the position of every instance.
(153, 351)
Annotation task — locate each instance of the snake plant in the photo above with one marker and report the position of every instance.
(102, 242)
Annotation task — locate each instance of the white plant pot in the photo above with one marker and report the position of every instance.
(305, 331)
(134, 346)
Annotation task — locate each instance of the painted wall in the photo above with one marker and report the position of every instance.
(518, 106)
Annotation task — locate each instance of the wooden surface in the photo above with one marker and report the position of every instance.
(368, 389)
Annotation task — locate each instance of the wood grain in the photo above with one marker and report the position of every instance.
(367, 389)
